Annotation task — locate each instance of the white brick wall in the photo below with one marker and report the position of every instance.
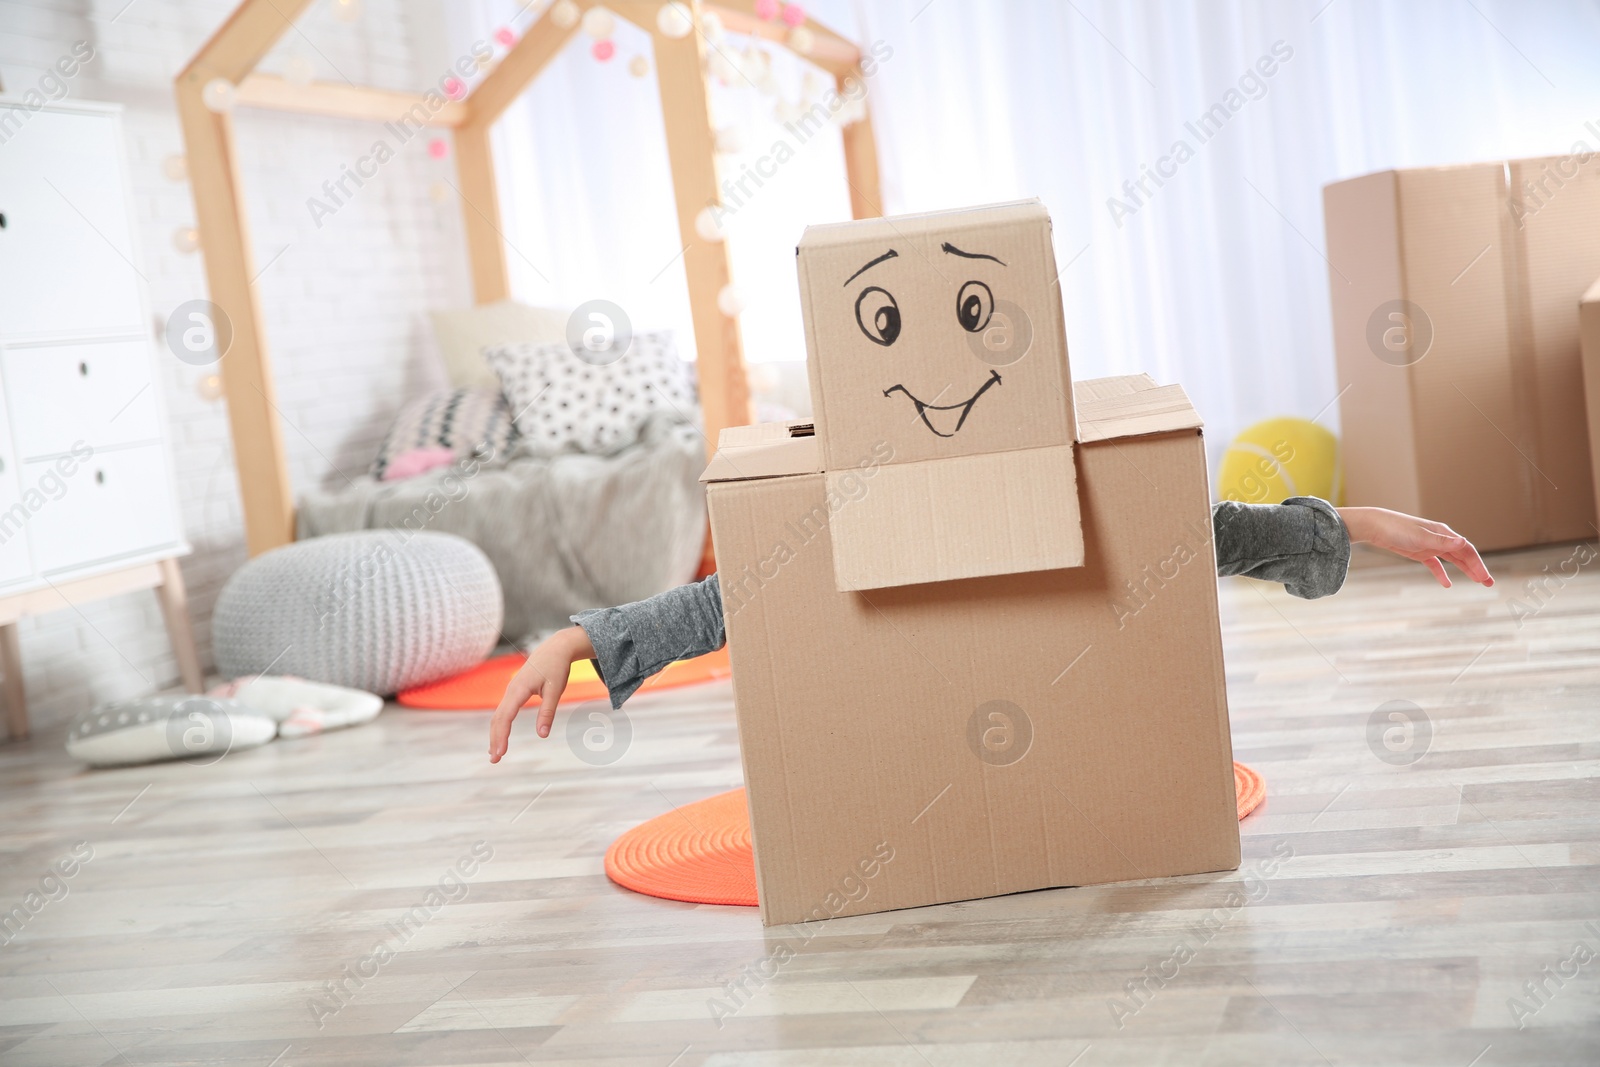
(344, 304)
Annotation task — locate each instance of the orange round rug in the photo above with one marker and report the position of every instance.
(700, 853)
(482, 686)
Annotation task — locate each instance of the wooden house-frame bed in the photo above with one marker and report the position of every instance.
(254, 28)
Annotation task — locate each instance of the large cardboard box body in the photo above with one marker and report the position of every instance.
(992, 734)
(1455, 294)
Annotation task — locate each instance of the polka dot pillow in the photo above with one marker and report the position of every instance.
(563, 403)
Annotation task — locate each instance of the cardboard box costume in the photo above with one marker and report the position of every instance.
(972, 608)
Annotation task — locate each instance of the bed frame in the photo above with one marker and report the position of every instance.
(249, 34)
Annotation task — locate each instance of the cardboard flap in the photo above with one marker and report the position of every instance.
(765, 450)
(1107, 410)
(961, 517)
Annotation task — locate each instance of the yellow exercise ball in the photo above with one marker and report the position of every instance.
(1281, 458)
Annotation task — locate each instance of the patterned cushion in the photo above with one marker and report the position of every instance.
(468, 422)
(562, 403)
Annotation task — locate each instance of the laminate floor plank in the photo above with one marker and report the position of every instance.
(1421, 890)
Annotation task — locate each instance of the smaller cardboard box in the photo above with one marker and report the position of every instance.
(1455, 294)
(1589, 328)
(935, 343)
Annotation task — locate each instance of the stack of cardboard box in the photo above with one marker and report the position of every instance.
(971, 608)
(1455, 316)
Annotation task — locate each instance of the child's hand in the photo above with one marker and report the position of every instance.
(1419, 539)
(545, 673)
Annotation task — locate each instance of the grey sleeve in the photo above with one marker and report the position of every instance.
(1301, 542)
(634, 641)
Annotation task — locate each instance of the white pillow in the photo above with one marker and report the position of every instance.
(300, 707)
(463, 335)
(562, 403)
(183, 726)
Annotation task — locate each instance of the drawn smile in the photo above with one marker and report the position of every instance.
(965, 407)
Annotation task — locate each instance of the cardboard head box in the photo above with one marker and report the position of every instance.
(1455, 316)
(935, 347)
(971, 610)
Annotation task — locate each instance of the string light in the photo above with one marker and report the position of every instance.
(675, 21)
(599, 23)
(219, 95)
(730, 301)
(565, 14)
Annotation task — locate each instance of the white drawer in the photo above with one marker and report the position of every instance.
(114, 503)
(98, 392)
(67, 250)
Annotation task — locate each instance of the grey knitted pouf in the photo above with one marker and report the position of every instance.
(380, 610)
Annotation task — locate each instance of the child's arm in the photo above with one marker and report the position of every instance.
(1305, 543)
(1420, 539)
(628, 644)
(545, 673)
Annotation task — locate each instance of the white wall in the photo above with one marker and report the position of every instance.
(344, 303)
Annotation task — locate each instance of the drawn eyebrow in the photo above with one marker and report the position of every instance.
(887, 255)
(954, 251)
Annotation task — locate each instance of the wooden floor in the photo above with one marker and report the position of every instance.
(1397, 907)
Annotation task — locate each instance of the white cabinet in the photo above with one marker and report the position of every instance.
(86, 482)
(66, 253)
(87, 502)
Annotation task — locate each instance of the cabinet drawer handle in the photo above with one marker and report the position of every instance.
(100, 477)
(2, 220)
(83, 369)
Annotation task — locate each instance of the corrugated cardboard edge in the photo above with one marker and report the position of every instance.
(1589, 327)
(824, 234)
(1154, 409)
(1362, 226)
(726, 496)
(1520, 348)
(763, 432)
(764, 450)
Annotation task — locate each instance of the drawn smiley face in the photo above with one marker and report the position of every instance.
(878, 318)
(941, 334)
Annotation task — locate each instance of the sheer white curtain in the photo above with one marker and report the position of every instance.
(1214, 278)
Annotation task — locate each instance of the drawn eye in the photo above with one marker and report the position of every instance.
(878, 315)
(974, 305)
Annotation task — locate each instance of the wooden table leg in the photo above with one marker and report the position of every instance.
(175, 608)
(16, 696)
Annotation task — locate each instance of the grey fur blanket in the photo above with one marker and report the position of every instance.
(564, 533)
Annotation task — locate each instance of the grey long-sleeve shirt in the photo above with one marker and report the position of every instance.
(1302, 543)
